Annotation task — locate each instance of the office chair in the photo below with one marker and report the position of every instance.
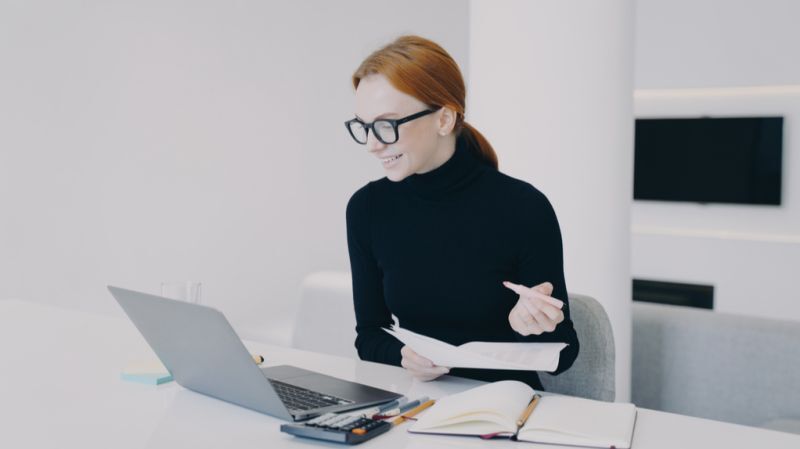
(592, 374)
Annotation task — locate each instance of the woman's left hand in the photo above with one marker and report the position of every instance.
(536, 312)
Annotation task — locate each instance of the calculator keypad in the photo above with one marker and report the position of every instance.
(341, 428)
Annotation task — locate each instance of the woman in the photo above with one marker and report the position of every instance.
(457, 250)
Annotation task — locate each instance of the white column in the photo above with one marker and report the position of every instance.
(550, 86)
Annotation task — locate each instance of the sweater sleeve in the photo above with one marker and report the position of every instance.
(372, 314)
(542, 260)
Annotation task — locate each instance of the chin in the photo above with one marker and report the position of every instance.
(397, 177)
(397, 174)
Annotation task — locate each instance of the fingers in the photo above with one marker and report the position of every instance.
(529, 311)
(544, 288)
(533, 314)
(425, 374)
(523, 323)
(420, 367)
(415, 358)
(541, 291)
(545, 315)
(537, 306)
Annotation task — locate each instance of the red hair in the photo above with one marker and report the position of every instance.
(421, 68)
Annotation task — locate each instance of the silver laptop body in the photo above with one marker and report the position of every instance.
(203, 353)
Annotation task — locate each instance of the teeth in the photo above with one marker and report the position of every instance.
(390, 159)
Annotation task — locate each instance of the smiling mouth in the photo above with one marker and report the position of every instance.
(389, 160)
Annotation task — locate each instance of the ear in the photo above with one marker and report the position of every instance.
(447, 121)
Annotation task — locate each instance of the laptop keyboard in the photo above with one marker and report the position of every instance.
(297, 398)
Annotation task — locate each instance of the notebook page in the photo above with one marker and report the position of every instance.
(499, 402)
(475, 428)
(569, 420)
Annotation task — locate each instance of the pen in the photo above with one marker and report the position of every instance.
(365, 413)
(400, 419)
(389, 406)
(258, 359)
(528, 410)
(373, 411)
(397, 403)
(401, 409)
(409, 405)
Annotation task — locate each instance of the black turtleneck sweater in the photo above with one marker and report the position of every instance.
(434, 249)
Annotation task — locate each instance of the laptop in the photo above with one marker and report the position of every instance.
(203, 353)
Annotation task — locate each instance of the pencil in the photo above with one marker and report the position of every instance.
(528, 410)
(400, 419)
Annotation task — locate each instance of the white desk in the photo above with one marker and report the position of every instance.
(60, 387)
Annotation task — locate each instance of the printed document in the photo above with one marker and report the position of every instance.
(477, 354)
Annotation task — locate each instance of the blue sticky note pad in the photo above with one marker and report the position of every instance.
(150, 372)
(149, 379)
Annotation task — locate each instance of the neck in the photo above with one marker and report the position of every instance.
(449, 177)
(445, 148)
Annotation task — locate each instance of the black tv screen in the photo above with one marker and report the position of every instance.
(709, 160)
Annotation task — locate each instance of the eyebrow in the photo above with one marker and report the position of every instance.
(384, 115)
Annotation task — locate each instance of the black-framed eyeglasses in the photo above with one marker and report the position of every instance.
(385, 129)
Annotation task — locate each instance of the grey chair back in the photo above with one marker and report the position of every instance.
(592, 374)
(714, 365)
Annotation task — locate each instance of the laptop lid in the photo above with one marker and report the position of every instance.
(201, 350)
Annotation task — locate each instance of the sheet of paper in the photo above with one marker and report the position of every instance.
(543, 355)
(512, 356)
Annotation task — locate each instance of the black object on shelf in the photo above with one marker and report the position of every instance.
(737, 160)
(674, 293)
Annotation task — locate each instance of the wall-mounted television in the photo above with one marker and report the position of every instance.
(709, 160)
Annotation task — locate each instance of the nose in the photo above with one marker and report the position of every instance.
(373, 144)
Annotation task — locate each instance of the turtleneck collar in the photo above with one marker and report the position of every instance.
(450, 177)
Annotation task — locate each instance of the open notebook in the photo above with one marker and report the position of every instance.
(493, 410)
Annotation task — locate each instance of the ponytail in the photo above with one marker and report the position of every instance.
(479, 146)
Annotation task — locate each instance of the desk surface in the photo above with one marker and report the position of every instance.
(60, 387)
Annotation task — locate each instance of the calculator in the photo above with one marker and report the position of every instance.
(339, 429)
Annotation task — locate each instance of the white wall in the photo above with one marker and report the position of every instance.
(556, 104)
(687, 54)
(158, 140)
(716, 43)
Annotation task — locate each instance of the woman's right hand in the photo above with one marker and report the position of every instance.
(420, 367)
